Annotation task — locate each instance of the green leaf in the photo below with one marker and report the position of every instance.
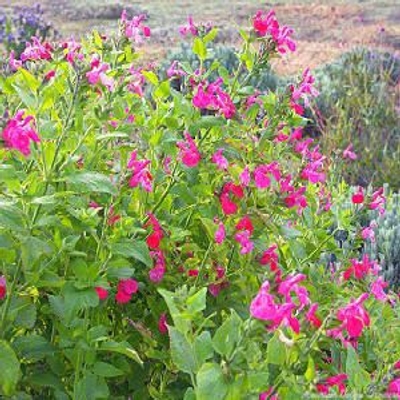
(358, 377)
(227, 335)
(197, 302)
(92, 387)
(181, 351)
(137, 250)
(92, 182)
(11, 217)
(106, 370)
(122, 348)
(181, 324)
(211, 383)
(203, 348)
(276, 351)
(33, 347)
(210, 35)
(199, 48)
(10, 369)
(151, 77)
(310, 372)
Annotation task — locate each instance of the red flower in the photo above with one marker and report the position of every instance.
(125, 289)
(358, 198)
(162, 324)
(101, 292)
(3, 287)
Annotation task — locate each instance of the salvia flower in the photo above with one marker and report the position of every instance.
(263, 173)
(126, 288)
(378, 289)
(3, 287)
(98, 73)
(162, 324)
(312, 317)
(154, 239)
(140, 173)
(393, 390)
(349, 153)
(188, 151)
(220, 234)
(102, 293)
(358, 197)
(20, 132)
(135, 29)
(36, 51)
(336, 380)
(230, 190)
(219, 160)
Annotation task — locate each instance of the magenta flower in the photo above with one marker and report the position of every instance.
(368, 232)
(349, 153)
(243, 238)
(378, 289)
(220, 161)
(378, 201)
(140, 173)
(20, 132)
(190, 28)
(311, 316)
(162, 324)
(71, 49)
(102, 293)
(175, 71)
(156, 274)
(3, 287)
(126, 288)
(13, 62)
(291, 284)
(354, 317)
(262, 174)
(220, 234)
(134, 28)
(98, 73)
(189, 153)
(245, 177)
(336, 380)
(36, 51)
(211, 96)
(393, 390)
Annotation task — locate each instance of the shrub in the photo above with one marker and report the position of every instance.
(158, 243)
(358, 106)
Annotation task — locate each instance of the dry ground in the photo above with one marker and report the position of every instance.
(324, 29)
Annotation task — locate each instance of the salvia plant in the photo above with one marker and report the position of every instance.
(163, 243)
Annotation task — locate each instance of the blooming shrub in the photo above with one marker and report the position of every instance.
(163, 243)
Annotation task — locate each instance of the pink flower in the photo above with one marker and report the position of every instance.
(267, 24)
(336, 380)
(140, 173)
(297, 199)
(244, 177)
(125, 289)
(268, 395)
(3, 287)
(220, 234)
(359, 269)
(228, 206)
(262, 174)
(243, 238)
(220, 283)
(112, 217)
(162, 324)
(270, 257)
(154, 239)
(368, 232)
(72, 49)
(378, 289)
(393, 389)
(102, 293)
(220, 161)
(291, 284)
(134, 28)
(354, 317)
(212, 96)
(136, 81)
(174, 71)
(19, 132)
(13, 62)
(358, 197)
(194, 30)
(245, 224)
(378, 201)
(189, 153)
(311, 316)
(156, 274)
(348, 153)
(97, 73)
(36, 51)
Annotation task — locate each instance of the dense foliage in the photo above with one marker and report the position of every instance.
(179, 241)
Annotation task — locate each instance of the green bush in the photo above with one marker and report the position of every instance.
(357, 105)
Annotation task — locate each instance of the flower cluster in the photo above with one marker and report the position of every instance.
(20, 132)
(135, 29)
(140, 173)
